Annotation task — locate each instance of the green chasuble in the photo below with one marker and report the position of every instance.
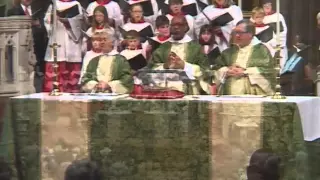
(258, 64)
(112, 69)
(190, 52)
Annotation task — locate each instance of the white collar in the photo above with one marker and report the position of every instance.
(112, 53)
(185, 39)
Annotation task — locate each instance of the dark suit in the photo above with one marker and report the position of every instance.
(40, 40)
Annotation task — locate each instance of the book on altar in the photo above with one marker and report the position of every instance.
(274, 26)
(69, 13)
(222, 20)
(265, 35)
(146, 6)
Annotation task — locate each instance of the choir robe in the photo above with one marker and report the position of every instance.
(272, 43)
(258, 64)
(157, 40)
(113, 9)
(185, 3)
(69, 54)
(155, 9)
(86, 59)
(190, 21)
(210, 13)
(137, 27)
(272, 18)
(111, 68)
(195, 63)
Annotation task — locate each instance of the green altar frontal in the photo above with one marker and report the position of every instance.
(189, 139)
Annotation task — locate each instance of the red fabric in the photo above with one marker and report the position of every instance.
(220, 6)
(139, 22)
(179, 14)
(26, 12)
(270, 13)
(100, 27)
(68, 77)
(103, 2)
(140, 93)
(260, 25)
(163, 38)
(66, 0)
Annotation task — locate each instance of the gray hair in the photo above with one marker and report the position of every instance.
(250, 27)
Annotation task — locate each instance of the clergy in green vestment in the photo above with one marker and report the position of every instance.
(182, 53)
(109, 72)
(247, 66)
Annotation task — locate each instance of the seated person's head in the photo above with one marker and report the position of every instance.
(100, 17)
(82, 170)
(162, 25)
(243, 33)
(264, 165)
(106, 42)
(136, 13)
(176, 6)
(96, 42)
(179, 27)
(5, 170)
(133, 40)
(206, 36)
(257, 15)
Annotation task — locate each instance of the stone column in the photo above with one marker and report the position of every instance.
(16, 55)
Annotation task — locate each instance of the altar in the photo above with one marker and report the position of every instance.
(192, 138)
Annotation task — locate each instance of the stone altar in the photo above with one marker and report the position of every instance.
(16, 56)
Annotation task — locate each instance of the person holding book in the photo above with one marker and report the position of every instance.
(208, 43)
(181, 53)
(68, 36)
(100, 23)
(264, 32)
(39, 33)
(94, 52)
(134, 52)
(163, 35)
(271, 18)
(113, 9)
(150, 9)
(223, 15)
(137, 22)
(189, 7)
(246, 67)
(175, 7)
(109, 72)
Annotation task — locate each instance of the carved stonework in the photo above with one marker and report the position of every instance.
(16, 55)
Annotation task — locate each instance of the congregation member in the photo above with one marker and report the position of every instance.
(94, 52)
(162, 35)
(134, 52)
(181, 53)
(109, 72)
(247, 66)
(264, 32)
(39, 33)
(208, 43)
(271, 18)
(69, 37)
(100, 22)
(137, 22)
(175, 7)
(113, 9)
(223, 15)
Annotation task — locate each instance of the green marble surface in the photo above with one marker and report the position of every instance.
(134, 139)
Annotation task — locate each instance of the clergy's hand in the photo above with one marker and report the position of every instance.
(175, 61)
(235, 71)
(103, 86)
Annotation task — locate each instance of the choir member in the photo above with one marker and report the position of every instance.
(100, 23)
(150, 9)
(137, 22)
(181, 53)
(69, 38)
(223, 15)
(109, 72)
(39, 33)
(175, 7)
(134, 53)
(264, 32)
(94, 52)
(189, 7)
(163, 35)
(208, 43)
(271, 18)
(113, 9)
(246, 67)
